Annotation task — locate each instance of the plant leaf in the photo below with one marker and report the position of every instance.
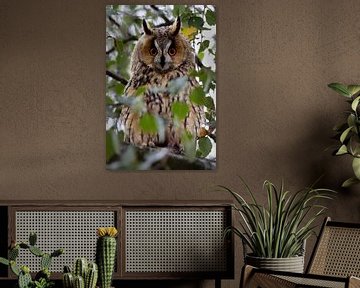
(210, 17)
(356, 167)
(355, 103)
(148, 123)
(197, 96)
(353, 89)
(205, 146)
(340, 88)
(349, 182)
(180, 110)
(342, 150)
(345, 134)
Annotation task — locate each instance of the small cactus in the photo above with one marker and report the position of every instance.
(32, 238)
(80, 268)
(83, 274)
(91, 276)
(45, 261)
(106, 254)
(79, 282)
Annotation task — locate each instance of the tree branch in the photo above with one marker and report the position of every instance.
(116, 77)
(160, 159)
(162, 15)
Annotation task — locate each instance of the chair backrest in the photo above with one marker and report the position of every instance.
(337, 251)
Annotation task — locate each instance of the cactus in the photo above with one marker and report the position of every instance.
(79, 282)
(105, 254)
(80, 268)
(91, 276)
(88, 273)
(45, 261)
(68, 280)
(24, 278)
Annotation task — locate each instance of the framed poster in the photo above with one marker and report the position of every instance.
(160, 87)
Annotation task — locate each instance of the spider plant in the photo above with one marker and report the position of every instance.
(279, 229)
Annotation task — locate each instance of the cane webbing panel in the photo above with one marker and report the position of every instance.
(175, 241)
(313, 282)
(338, 252)
(74, 231)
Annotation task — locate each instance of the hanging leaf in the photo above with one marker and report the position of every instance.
(340, 88)
(178, 10)
(345, 134)
(355, 103)
(210, 17)
(209, 103)
(349, 182)
(189, 32)
(148, 123)
(189, 143)
(180, 110)
(140, 91)
(197, 96)
(196, 21)
(353, 89)
(356, 167)
(203, 45)
(205, 146)
(342, 150)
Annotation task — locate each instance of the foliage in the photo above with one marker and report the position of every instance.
(124, 27)
(348, 132)
(42, 278)
(279, 229)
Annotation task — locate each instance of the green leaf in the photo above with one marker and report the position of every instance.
(355, 103)
(210, 17)
(353, 89)
(340, 88)
(148, 123)
(178, 10)
(342, 150)
(180, 110)
(345, 134)
(349, 182)
(140, 90)
(119, 89)
(189, 145)
(108, 101)
(205, 146)
(356, 167)
(209, 103)
(197, 96)
(112, 144)
(203, 45)
(196, 21)
(4, 261)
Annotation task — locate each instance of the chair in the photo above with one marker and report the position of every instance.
(335, 262)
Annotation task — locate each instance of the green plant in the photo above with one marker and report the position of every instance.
(42, 278)
(279, 229)
(85, 275)
(105, 254)
(349, 132)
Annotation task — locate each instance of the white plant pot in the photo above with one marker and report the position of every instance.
(291, 264)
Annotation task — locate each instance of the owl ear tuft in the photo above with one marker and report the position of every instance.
(147, 30)
(176, 26)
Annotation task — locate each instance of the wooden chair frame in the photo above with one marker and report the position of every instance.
(255, 277)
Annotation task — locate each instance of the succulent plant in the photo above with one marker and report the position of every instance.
(42, 278)
(106, 254)
(85, 275)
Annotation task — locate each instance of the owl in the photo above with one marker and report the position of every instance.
(161, 56)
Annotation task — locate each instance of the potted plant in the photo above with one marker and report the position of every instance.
(42, 278)
(276, 233)
(348, 132)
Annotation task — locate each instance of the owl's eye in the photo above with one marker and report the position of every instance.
(172, 51)
(153, 51)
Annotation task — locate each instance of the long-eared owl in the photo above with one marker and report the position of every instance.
(160, 56)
